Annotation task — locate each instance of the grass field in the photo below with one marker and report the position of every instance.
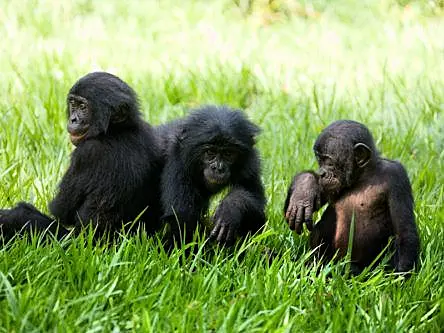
(294, 66)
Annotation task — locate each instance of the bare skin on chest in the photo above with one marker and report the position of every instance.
(367, 207)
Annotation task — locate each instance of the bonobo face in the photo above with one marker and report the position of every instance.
(341, 163)
(217, 163)
(335, 159)
(79, 118)
(344, 150)
(332, 176)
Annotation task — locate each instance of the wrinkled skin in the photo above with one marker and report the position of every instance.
(79, 118)
(303, 199)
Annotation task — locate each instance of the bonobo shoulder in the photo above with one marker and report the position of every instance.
(394, 170)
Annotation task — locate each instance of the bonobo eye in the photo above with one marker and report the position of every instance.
(210, 154)
(328, 161)
(229, 155)
(325, 160)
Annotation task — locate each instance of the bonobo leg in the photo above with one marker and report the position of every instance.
(24, 219)
(322, 236)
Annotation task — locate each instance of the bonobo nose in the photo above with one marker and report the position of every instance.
(322, 173)
(221, 167)
(218, 167)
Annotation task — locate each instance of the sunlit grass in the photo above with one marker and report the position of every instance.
(294, 66)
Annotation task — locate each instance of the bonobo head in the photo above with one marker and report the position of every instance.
(344, 150)
(214, 141)
(97, 103)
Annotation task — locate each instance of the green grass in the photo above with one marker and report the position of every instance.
(294, 66)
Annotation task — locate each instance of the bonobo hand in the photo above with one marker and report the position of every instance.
(226, 221)
(404, 267)
(305, 198)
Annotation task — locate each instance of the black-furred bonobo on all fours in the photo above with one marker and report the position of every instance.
(207, 151)
(114, 174)
(359, 186)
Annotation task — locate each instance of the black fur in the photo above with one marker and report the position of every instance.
(25, 219)
(186, 190)
(114, 173)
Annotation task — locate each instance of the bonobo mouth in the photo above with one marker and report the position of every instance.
(216, 180)
(76, 138)
(330, 184)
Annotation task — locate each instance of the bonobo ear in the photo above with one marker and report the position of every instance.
(362, 154)
(120, 114)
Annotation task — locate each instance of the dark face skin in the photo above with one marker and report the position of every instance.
(340, 163)
(331, 176)
(217, 162)
(79, 118)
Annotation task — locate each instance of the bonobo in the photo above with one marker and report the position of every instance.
(114, 173)
(207, 151)
(358, 186)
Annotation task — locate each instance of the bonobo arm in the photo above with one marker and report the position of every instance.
(240, 212)
(100, 184)
(182, 203)
(401, 213)
(25, 218)
(69, 197)
(103, 215)
(90, 165)
(303, 199)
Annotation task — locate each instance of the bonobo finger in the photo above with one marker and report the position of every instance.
(230, 237)
(291, 218)
(309, 224)
(309, 217)
(215, 231)
(318, 202)
(289, 212)
(299, 219)
(298, 228)
(222, 234)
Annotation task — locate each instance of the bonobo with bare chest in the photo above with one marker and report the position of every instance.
(358, 186)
